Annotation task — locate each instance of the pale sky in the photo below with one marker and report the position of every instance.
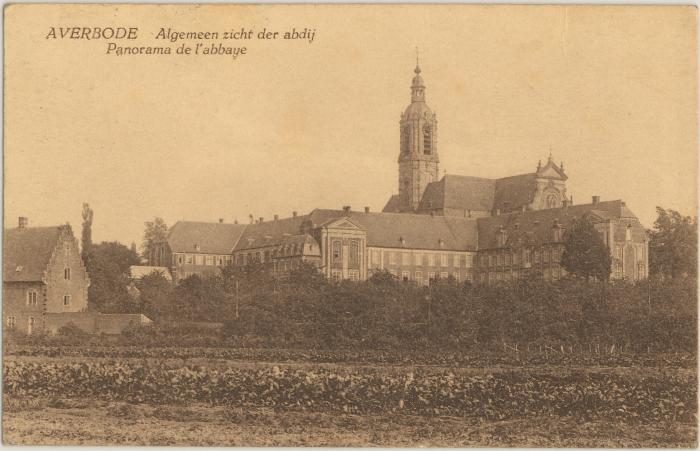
(612, 91)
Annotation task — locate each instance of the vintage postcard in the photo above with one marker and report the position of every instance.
(350, 225)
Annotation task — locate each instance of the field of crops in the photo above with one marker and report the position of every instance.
(501, 396)
(556, 356)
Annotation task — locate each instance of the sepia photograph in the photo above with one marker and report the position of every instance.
(350, 225)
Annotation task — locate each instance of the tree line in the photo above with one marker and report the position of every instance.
(306, 309)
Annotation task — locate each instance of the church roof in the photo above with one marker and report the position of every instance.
(511, 193)
(27, 252)
(534, 227)
(460, 192)
(204, 237)
(393, 205)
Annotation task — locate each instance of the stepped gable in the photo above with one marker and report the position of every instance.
(209, 237)
(534, 227)
(27, 252)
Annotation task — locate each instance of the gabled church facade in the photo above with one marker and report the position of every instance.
(466, 228)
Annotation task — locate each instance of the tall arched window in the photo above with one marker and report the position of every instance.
(427, 140)
(552, 201)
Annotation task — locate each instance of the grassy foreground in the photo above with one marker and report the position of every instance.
(89, 422)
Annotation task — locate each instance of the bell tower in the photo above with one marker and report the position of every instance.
(418, 155)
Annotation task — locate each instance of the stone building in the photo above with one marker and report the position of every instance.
(43, 273)
(469, 228)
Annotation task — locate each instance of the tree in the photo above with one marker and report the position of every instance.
(157, 297)
(156, 232)
(585, 254)
(86, 238)
(109, 276)
(673, 244)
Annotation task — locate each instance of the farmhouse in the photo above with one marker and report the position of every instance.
(42, 273)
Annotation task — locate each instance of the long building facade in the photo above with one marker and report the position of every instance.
(466, 228)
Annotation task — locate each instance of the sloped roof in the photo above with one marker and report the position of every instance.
(534, 227)
(513, 192)
(137, 272)
(27, 252)
(418, 231)
(393, 205)
(298, 244)
(269, 233)
(458, 192)
(212, 238)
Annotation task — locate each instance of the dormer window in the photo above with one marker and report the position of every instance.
(628, 233)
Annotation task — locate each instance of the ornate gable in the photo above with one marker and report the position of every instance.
(551, 170)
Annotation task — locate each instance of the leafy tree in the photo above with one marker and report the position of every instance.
(585, 254)
(382, 277)
(157, 296)
(673, 244)
(109, 276)
(86, 238)
(156, 232)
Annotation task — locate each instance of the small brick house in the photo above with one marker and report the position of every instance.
(42, 273)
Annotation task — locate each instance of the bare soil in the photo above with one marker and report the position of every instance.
(89, 422)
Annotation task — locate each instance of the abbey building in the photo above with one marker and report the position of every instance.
(467, 228)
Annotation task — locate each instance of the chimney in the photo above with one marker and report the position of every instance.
(252, 220)
(276, 217)
(346, 208)
(221, 220)
(623, 203)
(235, 221)
(261, 219)
(23, 222)
(596, 199)
(366, 209)
(294, 214)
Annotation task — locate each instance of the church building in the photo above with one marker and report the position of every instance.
(467, 228)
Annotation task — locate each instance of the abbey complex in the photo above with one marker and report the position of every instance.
(470, 228)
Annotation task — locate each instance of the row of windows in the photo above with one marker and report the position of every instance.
(33, 298)
(422, 279)
(421, 258)
(202, 260)
(12, 323)
(337, 275)
(270, 254)
(516, 258)
(547, 274)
